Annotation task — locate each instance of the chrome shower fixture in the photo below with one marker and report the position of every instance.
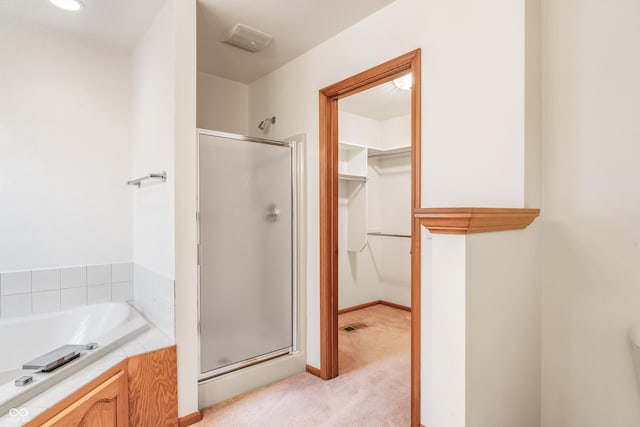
(266, 122)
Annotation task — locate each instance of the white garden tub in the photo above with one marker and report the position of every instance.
(25, 338)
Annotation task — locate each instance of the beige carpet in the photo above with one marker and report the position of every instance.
(373, 388)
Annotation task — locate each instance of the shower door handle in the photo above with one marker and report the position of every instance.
(273, 213)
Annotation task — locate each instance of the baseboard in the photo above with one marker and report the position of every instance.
(371, 304)
(192, 418)
(394, 305)
(358, 307)
(313, 371)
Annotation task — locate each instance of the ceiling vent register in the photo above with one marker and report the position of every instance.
(248, 38)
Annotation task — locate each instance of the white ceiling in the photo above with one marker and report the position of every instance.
(118, 22)
(379, 103)
(296, 25)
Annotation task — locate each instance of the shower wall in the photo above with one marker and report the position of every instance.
(223, 104)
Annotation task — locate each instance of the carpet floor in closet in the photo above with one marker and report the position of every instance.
(373, 388)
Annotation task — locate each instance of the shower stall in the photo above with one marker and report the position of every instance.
(247, 251)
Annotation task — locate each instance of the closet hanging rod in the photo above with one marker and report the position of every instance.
(348, 177)
(138, 181)
(406, 236)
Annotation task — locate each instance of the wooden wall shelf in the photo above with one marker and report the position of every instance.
(474, 220)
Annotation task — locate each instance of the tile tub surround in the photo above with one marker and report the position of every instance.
(153, 296)
(54, 289)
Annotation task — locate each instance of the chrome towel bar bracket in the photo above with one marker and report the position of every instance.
(138, 181)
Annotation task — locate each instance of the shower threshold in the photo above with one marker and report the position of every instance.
(244, 364)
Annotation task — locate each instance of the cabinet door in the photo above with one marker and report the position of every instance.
(104, 406)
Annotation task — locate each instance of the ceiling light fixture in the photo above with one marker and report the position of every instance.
(71, 5)
(404, 82)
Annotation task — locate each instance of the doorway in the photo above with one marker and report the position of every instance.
(329, 211)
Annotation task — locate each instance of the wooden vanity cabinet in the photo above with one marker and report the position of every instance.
(139, 391)
(107, 405)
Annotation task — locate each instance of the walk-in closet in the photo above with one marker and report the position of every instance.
(374, 212)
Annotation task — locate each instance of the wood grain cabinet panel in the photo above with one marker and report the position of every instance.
(140, 391)
(107, 405)
(102, 413)
(153, 391)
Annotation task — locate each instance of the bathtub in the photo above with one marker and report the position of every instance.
(25, 338)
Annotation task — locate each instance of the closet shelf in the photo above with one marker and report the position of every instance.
(377, 233)
(374, 152)
(344, 145)
(352, 169)
(350, 177)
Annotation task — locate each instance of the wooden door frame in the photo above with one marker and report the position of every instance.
(329, 97)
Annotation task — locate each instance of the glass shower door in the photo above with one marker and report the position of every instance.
(246, 261)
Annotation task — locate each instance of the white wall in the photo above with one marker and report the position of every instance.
(359, 130)
(223, 104)
(473, 101)
(186, 273)
(391, 184)
(396, 132)
(443, 323)
(473, 80)
(533, 104)
(591, 206)
(481, 329)
(65, 141)
(503, 329)
(153, 145)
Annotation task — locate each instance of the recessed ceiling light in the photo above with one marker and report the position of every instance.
(405, 82)
(71, 5)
